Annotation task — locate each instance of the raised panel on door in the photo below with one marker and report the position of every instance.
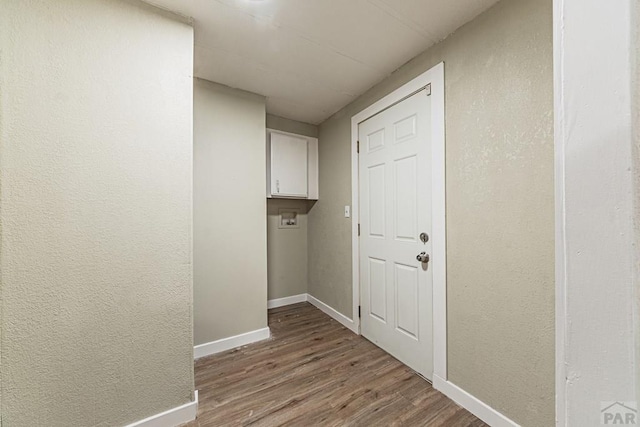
(378, 289)
(406, 194)
(289, 161)
(406, 296)
(375, 140)
(405, 129)
(377, 200)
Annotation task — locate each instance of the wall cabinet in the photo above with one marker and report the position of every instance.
(292, 166)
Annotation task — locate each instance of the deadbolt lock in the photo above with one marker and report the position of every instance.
(424, 237)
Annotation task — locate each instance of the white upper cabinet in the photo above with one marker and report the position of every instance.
(289, 167)
(292, 166)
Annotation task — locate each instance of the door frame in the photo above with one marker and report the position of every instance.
(435, 78)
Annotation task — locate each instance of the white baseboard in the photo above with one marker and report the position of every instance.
(173, 417)
(281, 302)
(344, 320)
(225, 344)
(472, 404)
(295, 299)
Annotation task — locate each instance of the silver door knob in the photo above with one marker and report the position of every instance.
(423, 257)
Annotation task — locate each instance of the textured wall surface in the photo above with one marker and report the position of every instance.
(293, 126)
(287, 248)
(230, 212)
(500, 207)
(329, 231)
(95, 180)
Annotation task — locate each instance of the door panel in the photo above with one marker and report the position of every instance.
(395, 207)
(405, 220)
(375, 140)
(378, 297)
(377, 205)
(406, 286)
(405, 129)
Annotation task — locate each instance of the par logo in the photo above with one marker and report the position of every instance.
(619, 413)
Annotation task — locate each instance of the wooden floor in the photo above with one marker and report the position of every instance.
(315, 372)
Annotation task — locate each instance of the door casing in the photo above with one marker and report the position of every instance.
(435, 78)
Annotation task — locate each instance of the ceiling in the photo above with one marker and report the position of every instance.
(310, 58)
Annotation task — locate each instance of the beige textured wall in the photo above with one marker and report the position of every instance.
(95, 180)
(500, 212)
(293, 126)
(230, 221)
(329, 231)
(287, 248)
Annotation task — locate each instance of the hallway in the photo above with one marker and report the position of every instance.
(313, 372)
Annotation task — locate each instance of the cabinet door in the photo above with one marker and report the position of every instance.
(289, 157)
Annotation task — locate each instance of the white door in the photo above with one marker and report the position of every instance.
(395, 207)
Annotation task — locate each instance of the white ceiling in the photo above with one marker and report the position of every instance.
(310, 58)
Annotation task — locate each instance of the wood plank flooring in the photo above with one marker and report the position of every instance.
(315, 372)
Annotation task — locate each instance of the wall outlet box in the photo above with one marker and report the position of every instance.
(288, 218)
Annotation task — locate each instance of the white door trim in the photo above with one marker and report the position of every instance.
(559, 197)
(594, 161)
(435, 77)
